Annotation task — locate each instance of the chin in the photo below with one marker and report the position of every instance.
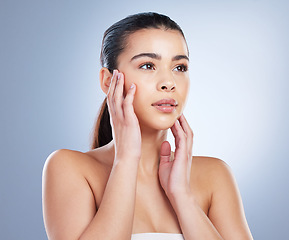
(163, 126)
(159, 123)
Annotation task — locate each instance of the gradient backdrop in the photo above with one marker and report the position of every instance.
(238, 104)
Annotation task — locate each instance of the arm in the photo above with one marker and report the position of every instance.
(226, 211)
(68, 201)
(193, 221)
(226, 218)
(175, 179)
(114, 217)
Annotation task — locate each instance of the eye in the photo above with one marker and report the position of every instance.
(147, 66)
(181, 68)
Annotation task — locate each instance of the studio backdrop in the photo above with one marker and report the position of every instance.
(237, 107)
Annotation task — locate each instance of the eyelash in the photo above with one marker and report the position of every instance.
(184, 68)
(145, 64)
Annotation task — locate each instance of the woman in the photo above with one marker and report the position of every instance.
(130, 185)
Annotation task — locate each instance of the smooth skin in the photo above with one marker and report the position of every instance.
(135, 184)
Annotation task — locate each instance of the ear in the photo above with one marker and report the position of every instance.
(105, 79)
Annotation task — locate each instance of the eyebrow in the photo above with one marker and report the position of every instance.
(158, 57)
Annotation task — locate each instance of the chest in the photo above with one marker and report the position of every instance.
(153, 210)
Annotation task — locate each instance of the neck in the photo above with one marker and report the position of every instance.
(151, 144)
(150, 151)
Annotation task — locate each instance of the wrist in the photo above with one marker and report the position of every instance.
(181, 199)
(127, 155)
(126, 161)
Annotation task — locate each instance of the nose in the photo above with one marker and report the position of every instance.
(167, 84)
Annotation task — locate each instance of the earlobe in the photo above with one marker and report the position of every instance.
(105, 78)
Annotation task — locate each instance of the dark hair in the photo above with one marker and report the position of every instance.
(113, 43)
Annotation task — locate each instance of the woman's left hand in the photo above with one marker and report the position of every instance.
(174, 173)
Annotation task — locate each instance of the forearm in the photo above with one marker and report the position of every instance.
(194, 223)
(114, 217)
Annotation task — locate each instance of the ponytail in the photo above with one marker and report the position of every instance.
(102, 134)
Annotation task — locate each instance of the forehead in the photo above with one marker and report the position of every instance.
(164, 42)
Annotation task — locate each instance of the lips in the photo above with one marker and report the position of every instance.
(166, 105)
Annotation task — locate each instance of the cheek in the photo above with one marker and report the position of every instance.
(187, 90)
(128, 80)
(184, 88)
(142, 85)
(183, 95)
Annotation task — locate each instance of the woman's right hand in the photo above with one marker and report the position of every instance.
(125, 125)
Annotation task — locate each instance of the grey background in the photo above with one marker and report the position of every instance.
(238, 104)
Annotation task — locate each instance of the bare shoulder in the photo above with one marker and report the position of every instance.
(212, 176)
(226, 210)
(217, 175)
(71, 160)
(63, 161)
(210, 167)
(62, 158)
(71, 178)
(208, 161)
(89, 170)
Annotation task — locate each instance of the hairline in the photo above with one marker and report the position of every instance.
(159, 27)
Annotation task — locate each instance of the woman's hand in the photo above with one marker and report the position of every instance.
(174, 173)
(125, 125)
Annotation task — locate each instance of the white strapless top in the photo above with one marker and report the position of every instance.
(157, 236)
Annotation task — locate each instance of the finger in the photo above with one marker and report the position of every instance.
(189, 134)
(181, 151)
(175, 134)
(118, 95)
(165, 152)
(186, 127)
(180, 137)
(181, 154)
(112, 84)
(188, 131)
(111, 91)
(128, 102)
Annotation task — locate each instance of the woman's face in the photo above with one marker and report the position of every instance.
(156, 61)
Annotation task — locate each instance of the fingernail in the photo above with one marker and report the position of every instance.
(132, 85)
(118, 76)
